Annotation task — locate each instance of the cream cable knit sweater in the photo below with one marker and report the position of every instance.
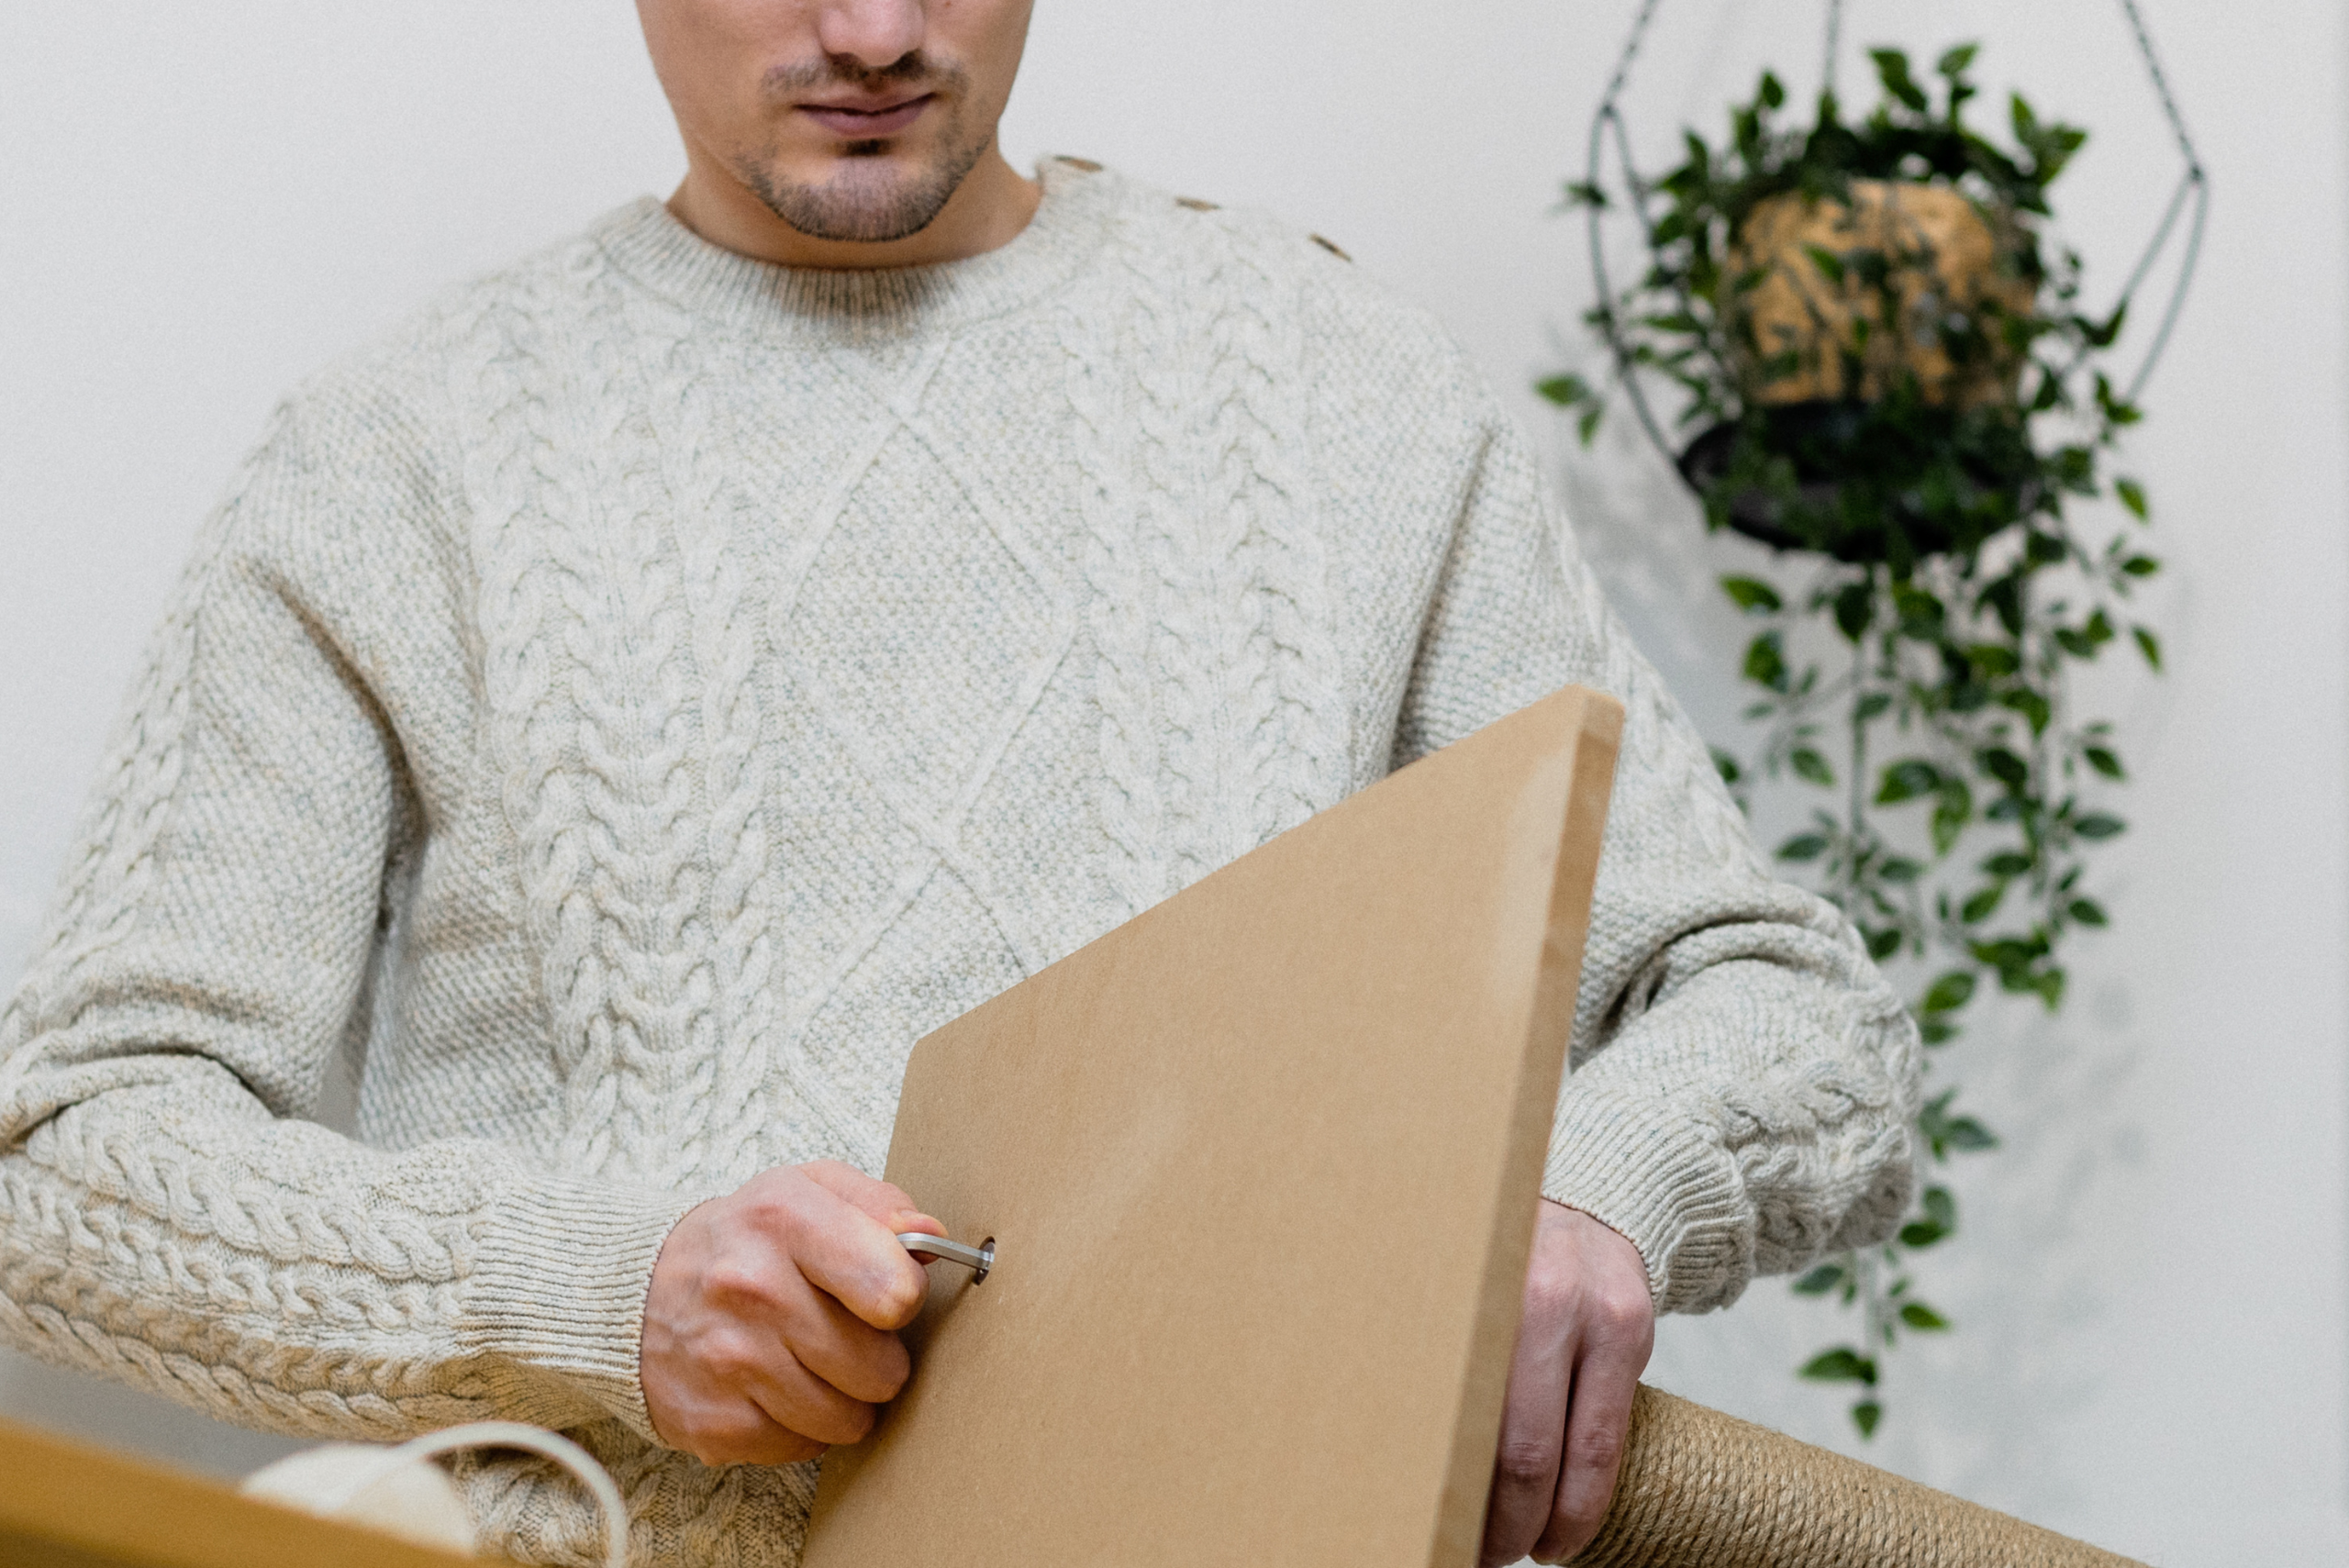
(639, 698)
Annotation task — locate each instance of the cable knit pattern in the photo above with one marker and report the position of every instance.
(1120, 571)
(643, 694)
(744, 1026)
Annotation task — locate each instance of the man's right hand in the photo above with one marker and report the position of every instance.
(770, 1331)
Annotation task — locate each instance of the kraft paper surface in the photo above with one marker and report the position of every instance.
(1261, 1167)
(65, 1505)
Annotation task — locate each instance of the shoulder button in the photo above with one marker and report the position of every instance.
(1086, 164)
(1196, 205)
(1326, 245)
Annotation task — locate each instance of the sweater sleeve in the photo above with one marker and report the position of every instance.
(169, 1215)
(1743, 1079)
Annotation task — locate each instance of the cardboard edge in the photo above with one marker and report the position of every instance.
(1599, 743)
(1596, 733)
(919, 1059)
(76, 1502)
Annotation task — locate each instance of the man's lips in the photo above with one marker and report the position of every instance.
(864, 122)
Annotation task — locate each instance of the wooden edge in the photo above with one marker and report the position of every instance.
(62, 1501)
(1596, 733)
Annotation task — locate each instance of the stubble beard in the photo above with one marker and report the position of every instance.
(869, 202)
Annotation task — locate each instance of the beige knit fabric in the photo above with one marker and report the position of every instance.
(637, 700)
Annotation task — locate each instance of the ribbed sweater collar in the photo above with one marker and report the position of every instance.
(648, 243)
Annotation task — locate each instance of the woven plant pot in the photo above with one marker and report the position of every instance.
(1874, 335)
(1921, 270)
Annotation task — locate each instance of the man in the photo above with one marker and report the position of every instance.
(644, 694)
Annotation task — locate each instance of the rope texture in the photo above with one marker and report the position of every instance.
(1704, 1490)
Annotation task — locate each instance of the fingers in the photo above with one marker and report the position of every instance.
(885, 1201)
(819, 1381)
(1599, 1419)
(803, 1401)
(1616, 1320)
(701, 1365)
(851, 1254)
(733, 1430)
(863, 1362)
(1533, 1429)
(766, 1332)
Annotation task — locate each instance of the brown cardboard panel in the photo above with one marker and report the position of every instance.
(63, 1504)
(1261, 1167)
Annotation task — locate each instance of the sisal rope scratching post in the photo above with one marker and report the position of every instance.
(1704, 1490)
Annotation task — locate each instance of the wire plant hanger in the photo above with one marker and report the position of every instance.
(1910, 653)
(2189, 199)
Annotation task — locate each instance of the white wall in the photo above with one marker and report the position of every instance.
(203, 203)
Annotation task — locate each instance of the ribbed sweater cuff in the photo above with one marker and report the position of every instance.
(557, 1287)
(1655, 1177)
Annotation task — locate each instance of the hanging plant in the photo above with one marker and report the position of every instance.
(1886, 374)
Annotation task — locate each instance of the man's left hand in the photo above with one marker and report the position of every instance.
(1588, 1327)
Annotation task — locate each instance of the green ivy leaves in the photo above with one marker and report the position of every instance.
(1936, 1224)
(1944, 1132)
(1911, 669)
(1571, 391)
(1842, 1364)
(1966, 842)
(1908, 780)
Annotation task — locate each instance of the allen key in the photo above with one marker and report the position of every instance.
(978, 1259)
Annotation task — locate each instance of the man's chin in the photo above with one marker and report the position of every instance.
(870, 194)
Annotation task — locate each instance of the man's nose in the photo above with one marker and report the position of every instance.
(876, 34)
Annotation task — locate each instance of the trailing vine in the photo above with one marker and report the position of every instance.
(1916, 447)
